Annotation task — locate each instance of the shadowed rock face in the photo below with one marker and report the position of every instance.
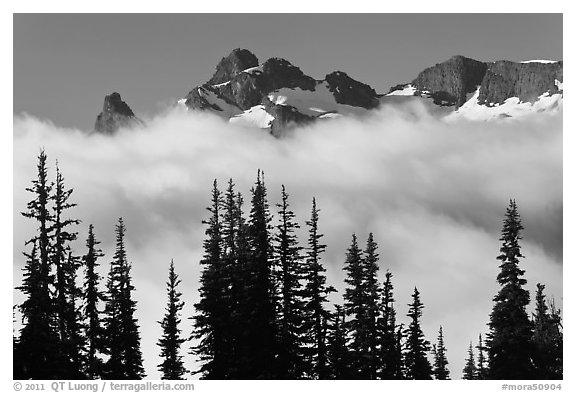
(527, 81)
(351, 92)
(115, 114)
(452, 80)
(231, 65)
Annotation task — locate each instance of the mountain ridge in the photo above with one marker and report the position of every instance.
(277, 95)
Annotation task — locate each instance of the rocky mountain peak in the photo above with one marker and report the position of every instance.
(351, 92)
(527, 81)
(451, 81)
(237, 61)
(115, 114)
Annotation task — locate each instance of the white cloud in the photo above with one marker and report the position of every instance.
(434, 195)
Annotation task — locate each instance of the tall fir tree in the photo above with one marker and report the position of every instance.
(337, 353)
(94, 330)
(440, 369)
(38, 343)
(289, 272)
(509, 340)
(547, 339)
(66, 310)
(230, 277)
(261, 333)
(354, 305)
(469, 371)
(209, 321)
(315, 295)
(416, 361)
(122, 334)
(390, 356)
(172, 368)
(371, 292)
(482, 367)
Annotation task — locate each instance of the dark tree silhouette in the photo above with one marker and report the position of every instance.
(440, 370)
(122, 335)
(38, 343)
(261, 334)
(315, 295)
(209, 322)
(469, 371)
(172, 367)
(481, 368)
(415, 357)
(337, 353)
(547, 339)
(94, 331)
(509, 341)
(354, 305)
(67, 312)
(371, 292)
(289, 272)
(390, 357)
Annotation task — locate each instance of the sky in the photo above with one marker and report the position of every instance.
(434, 194)
(64, 64)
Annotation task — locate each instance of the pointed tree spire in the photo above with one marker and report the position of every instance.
(482, 368)
(415, 356)
(315, 296)
(172, 367)
(547, 339)
(469, 371)
(440, 371)
(509, 340)
(94, 331)
(122, 331)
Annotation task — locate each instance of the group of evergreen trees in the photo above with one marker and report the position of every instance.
(263, 310)
(64, 334)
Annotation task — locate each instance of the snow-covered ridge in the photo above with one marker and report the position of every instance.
(540, 61)
(512, 108)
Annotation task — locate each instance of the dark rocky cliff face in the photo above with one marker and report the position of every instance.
(115, 114)
(449, 82)
(351, 92)
(231, 65)
(527, 81)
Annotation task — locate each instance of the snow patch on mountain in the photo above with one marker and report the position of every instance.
(408, 90)
(511, 108)
(253, 117)
(313, 103)
(540, 61)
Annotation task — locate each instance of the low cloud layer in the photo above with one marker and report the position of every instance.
(433, 194)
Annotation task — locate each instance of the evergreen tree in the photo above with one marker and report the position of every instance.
(241, 314)
(172, 367)
(38, 342)
(390, 358)
(547, 339)
(371, 292)
(230, 277)
(315, 295)
(415, 358)
(354, 305)
(122, 335)
(440, 371)
(337, 353)
(469, 371)
(509, 340)
(261, 335)
(291, 306)
(209, 321)
(94, 331)
(481, 369)
(67, 313)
